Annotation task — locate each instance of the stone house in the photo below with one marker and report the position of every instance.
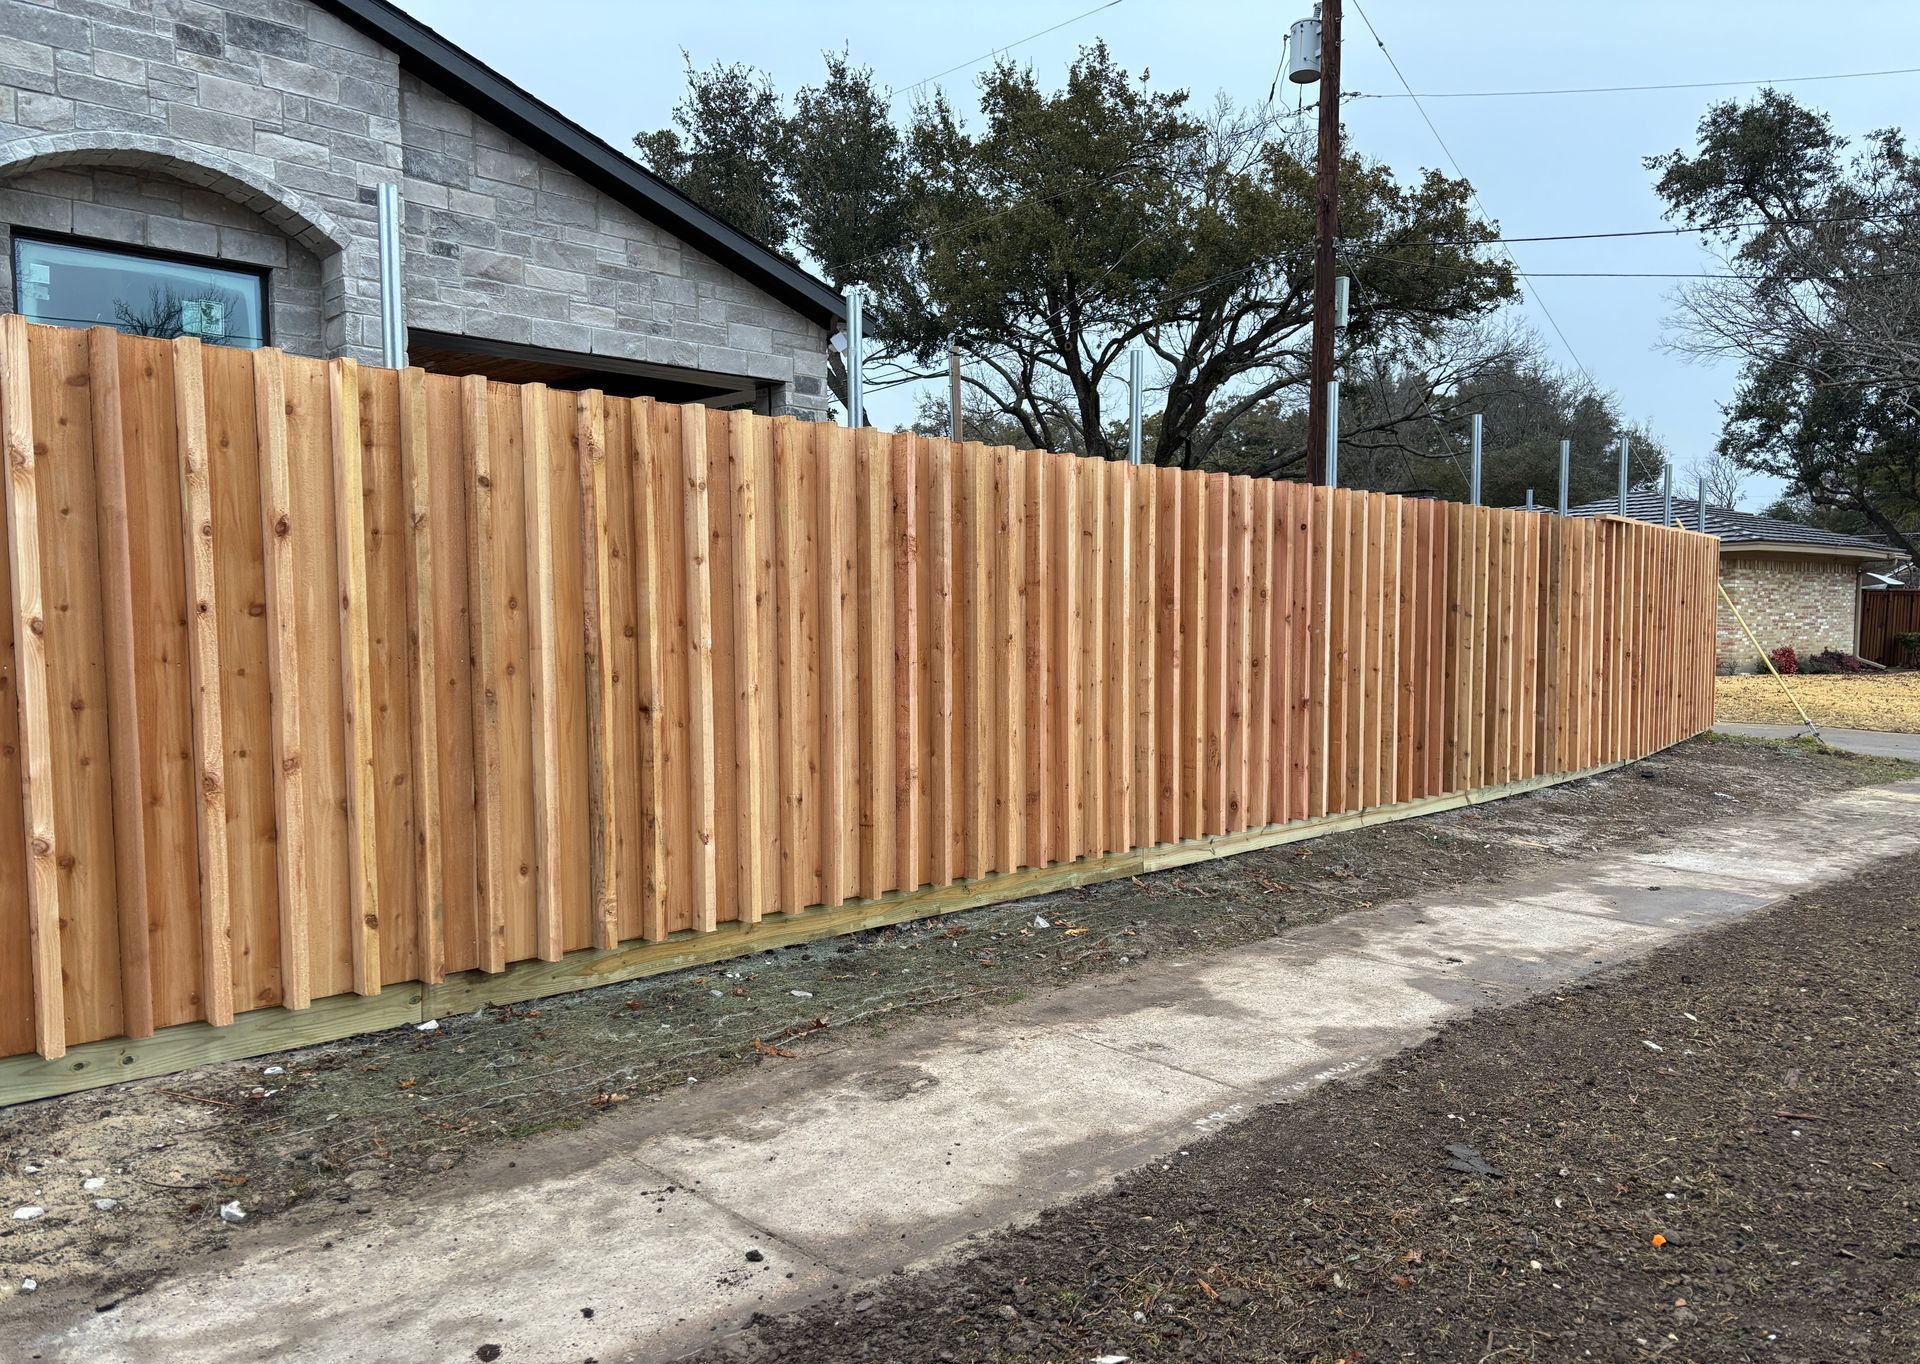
(215, 167)
(1795, 585)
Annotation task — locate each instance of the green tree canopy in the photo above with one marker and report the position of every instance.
(1061, 226)
(1822, 311)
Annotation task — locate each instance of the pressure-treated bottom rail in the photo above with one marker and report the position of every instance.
(256, 1033)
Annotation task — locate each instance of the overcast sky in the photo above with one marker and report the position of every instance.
(1566, 163)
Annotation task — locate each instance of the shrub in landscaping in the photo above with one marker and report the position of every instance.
(1785, 661)
(1833, 661)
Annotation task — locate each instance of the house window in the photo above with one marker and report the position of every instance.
(73, 284)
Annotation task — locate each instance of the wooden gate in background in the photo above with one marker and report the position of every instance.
(1885, 613)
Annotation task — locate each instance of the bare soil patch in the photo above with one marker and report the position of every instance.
(329, 1132)
(1714, 1155)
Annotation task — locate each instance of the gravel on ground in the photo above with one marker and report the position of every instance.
(1713, 1155)
(1887, 701)
(328, 1132)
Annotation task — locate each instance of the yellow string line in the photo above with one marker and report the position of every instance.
(1767, 659)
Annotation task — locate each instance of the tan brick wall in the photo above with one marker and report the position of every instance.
(1810, 603)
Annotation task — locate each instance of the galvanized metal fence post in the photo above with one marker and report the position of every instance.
(1626, 453)
(855, 398)
(1666, 497)
(1566, 469)
(1333, 433)
(1136, 400)
(393, 323)
(953, 392)
(1474, 482)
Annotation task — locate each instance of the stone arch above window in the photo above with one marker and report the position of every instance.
(292, 213)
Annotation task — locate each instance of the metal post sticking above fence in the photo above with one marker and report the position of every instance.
(1626, 453)
(1702, 504)
(393, 323)
(1333, 433)
(1474, 486)
(1666, 497)
(1566, 468)
(855, 398)
(953, 392)
(1529, 499)
(1136, 400)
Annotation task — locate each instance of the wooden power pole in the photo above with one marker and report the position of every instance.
(1326, 227)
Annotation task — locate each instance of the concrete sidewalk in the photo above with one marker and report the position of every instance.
(1876, 743)
(863, 1156)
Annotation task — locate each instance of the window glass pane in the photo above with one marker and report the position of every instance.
(83, 286)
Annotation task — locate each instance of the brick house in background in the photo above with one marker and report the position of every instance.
(1795, 584)
(213, 167)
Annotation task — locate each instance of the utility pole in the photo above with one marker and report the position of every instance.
(1326, 227)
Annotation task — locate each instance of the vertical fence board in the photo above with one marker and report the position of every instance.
(702, 759)
(126, 554)
(493, 872)
(1144, 609)
(1170, 718)
(612, 750)
(1010, 613)
(1117, 673)
(239, 571)
(45, 889)
(752, 576)
(798, 662)
(1238, 711)
(942, 646)
(834, 466)
(1093, 623)
(209, 746)
(1039, 547)
(1068, 704)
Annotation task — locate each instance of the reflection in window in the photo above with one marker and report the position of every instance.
(69, 285)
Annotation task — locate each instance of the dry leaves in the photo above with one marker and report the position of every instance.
(1886, 701)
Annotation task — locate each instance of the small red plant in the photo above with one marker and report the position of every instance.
(1785, 661)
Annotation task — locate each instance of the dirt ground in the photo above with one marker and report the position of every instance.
(327, 1132)
(1714, 1155)
(1887, 701)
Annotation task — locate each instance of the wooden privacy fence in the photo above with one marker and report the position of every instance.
(334, 678)
(1884, 613)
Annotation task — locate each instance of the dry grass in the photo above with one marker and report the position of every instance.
(1886, 701)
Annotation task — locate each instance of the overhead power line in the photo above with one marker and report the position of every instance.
(1006, 47)
(1474, 193)
(1632, 89)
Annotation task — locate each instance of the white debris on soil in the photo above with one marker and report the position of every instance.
(28, 1213)
(274, 1070)
(232, 1212)
(1040, 921)
(95, 1183)
(431, 1025)
(29, 1285)
(801, 994)
(1651, 1046)
(106, 1204)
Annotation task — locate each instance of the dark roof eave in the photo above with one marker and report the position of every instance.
(459, 74)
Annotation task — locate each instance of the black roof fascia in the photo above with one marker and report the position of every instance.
(464, 77)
